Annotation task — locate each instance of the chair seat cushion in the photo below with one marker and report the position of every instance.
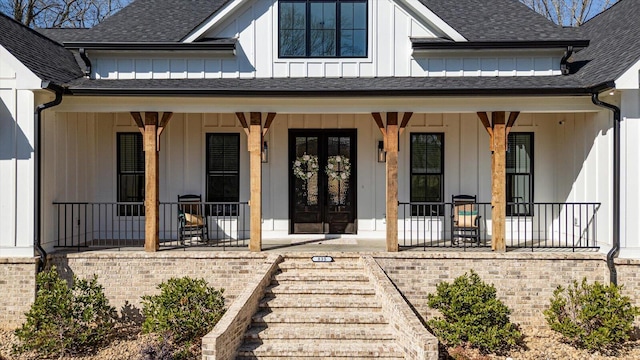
(193, 220)
(467, 220)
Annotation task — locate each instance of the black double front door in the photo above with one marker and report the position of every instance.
(322, 179)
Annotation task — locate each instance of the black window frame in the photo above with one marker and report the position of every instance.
(307, 52)
(124, 209)
(221, 209)
(515, 208)
(421, 210)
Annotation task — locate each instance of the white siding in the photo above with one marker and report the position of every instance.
(391, 25)
(572, 151)
(16, 158)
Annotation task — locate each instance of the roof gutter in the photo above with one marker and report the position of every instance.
(37, 240)
(615, 250)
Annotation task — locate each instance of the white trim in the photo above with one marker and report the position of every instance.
(431, 18)
(215, 19)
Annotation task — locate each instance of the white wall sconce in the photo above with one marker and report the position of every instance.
(265, 152)
(382, 155)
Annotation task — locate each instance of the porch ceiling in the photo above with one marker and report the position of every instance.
(328, 105)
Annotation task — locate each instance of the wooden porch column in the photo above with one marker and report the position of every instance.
(151, 129)
(391, 147)
(255, 164)
(498, 130)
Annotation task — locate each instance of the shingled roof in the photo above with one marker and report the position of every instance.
(476, 20)
(498, 20)
(43, 56)
(154, 21)
(615, 43)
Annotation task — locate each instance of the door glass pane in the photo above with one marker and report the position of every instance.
(338, 170)
(306, 169)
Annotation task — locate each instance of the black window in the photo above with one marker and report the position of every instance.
(317, 28)
(519, 174)
(130, 173)
(223, 172)
(427, 172)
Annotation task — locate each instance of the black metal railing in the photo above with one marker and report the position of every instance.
(530, 226)
(115, 224)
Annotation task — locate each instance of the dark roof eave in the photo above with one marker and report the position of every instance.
(573, 91)
(225, 45)
(428, 44)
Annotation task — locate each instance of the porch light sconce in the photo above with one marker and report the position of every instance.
(265, 152)
(382, 155)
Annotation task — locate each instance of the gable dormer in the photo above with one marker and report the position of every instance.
(345, 38)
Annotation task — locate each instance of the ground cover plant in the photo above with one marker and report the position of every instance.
(66, 320)
(472, 316)
(594, 316)
(185, 310)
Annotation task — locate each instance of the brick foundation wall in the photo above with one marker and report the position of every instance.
(126, 276)
(17, 289)
(525, 282)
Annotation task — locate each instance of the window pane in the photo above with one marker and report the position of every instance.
(324, 35)
(427, 174)
(292, 24)
(223, 165)
(323, 29)
(519, 175)
(130, 168)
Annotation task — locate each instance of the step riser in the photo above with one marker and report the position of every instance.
(319, 310)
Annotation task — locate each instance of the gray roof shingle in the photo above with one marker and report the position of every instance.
(615, 43)
(382, 86)
(44, 57)
(154, 21)
(64, 34)
(476, 20)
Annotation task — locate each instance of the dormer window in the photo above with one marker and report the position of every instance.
(315, 28)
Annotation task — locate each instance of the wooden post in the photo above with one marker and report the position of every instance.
(151, 202)
(391, 146)
(498, 181)
(255, 164)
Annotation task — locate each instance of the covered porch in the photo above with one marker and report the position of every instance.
(393, 200)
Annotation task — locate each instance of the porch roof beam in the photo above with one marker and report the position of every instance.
(344, 105)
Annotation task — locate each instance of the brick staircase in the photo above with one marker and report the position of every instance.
(320, 310)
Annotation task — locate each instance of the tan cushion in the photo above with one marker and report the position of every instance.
(467, 220)
(193, 220)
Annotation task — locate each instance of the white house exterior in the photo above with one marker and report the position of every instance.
(416, 68)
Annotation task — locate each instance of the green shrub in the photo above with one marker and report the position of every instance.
(187, 308)
(66, 320)
(594, 317)
(472, 316)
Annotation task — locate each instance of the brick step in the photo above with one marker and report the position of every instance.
(328, 348)
(323, 316)
(292, 288)
(321, 276)
(308, 264)
(320, 331)
(321, 301)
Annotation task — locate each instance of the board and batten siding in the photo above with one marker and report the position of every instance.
(16, 157)
(391, 25)
(571, 153)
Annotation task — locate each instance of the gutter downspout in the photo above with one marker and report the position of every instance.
(564, 62)
(87, 61)
(38, 170)
(615, 250)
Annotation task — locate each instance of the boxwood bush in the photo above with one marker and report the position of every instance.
(66, 320)
(472, 316)
(592, 316)
(187, 308)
